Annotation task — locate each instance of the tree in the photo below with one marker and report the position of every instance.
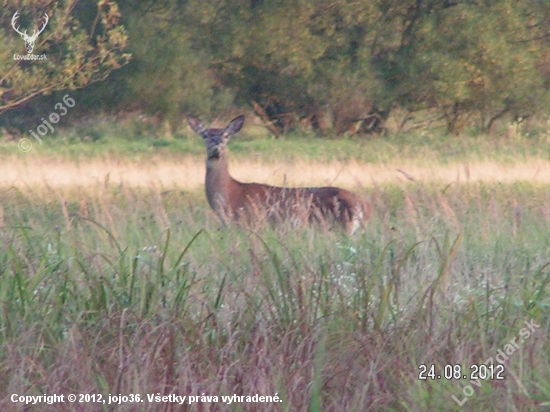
(76, 55)
(466, 58)
(170, 73)
(296, 62)
(335, 66)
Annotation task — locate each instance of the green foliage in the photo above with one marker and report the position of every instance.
(301, 61)
(333, 67)
(168, 76)
(339, 67)
(476, 59)
(77, 54)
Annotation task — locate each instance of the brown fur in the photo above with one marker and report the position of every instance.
(254, 202)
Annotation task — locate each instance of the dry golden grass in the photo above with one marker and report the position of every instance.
(188, 173)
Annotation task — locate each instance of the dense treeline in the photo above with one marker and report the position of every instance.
(335, 66)
(75, 44)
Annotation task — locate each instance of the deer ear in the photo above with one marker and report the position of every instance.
(234, 125)
(196, 124)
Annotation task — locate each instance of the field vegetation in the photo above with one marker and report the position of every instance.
(116, 278)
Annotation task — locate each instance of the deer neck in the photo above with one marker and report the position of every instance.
(218, 183)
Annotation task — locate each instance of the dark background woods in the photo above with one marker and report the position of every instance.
(332, 67)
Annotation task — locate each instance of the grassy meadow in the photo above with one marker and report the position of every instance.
(117, 279)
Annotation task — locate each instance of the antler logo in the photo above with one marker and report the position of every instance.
(29, 40)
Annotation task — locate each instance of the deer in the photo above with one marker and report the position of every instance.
(29, 40)
(252, 202)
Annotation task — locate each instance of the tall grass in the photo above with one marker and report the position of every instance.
(121, 290)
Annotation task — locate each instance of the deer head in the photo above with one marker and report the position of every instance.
(216, 139)
(29, 40)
